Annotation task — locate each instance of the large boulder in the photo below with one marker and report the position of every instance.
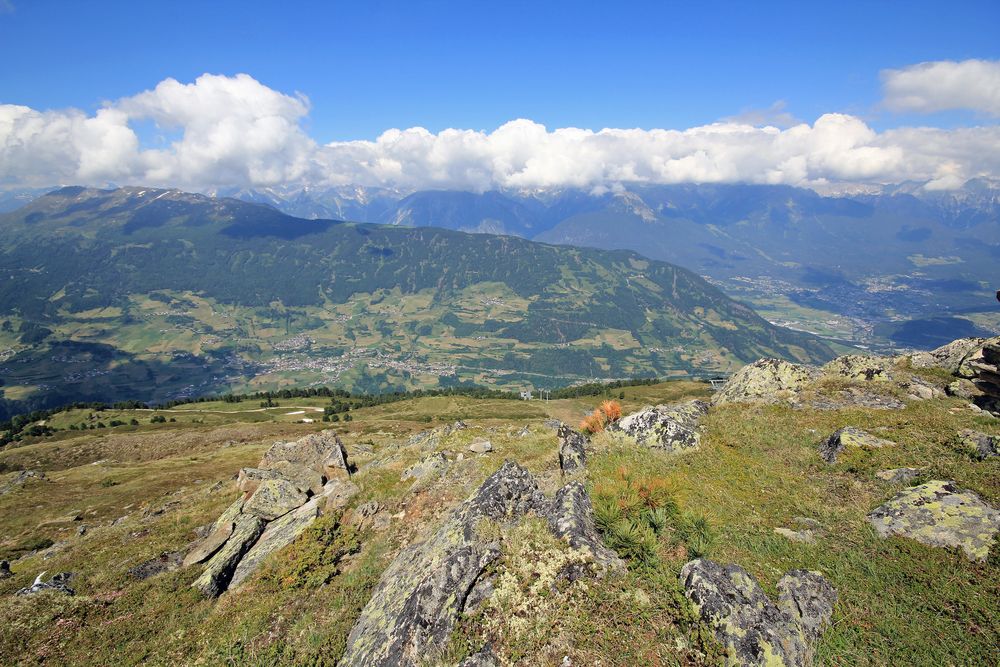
(939, 514)
(571, 518)
(849, 438)
(274, 498)
(414, 608)
(754, 630)
(220, 567)
(860, 367)
(672, 428)
(277, 535)
(765, 381)
(318, 451)
(948, 357)
(572, 449)
(217, 535)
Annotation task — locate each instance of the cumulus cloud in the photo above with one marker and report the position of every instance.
(237, 132)
(943, 85)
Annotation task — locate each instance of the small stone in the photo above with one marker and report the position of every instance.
(167, 561)
(898, 475)
(804, 536)
(849, 438)
(481, 446)
(981, 445)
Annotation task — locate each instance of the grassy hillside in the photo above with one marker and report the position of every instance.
(141, 490)
(159, 294)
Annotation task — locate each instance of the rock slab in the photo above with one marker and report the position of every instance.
(849, 437)
(672, 428)
(940, 514)
(755, 631)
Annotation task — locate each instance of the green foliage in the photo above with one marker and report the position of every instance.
(314, 558)
(634, 540)
(697, 534)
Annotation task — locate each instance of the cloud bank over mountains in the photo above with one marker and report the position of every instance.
(236, 132)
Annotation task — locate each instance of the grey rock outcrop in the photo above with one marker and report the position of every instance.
(939, 514)
(484, 658)
(18, 480)
(430, 466)
(420, 595)
(765, 381)
(860, 367)
(672, 428)
(274, 498)
(948, 357)
(572, 449)
(276, 535)
(283, 495)
(59, 583)
(571, 518)
(220, 567)
(217, 535)
(849, 438)
(980, 445)
(984, 369)
(754, 630)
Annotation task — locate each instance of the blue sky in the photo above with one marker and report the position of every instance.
(368, 66)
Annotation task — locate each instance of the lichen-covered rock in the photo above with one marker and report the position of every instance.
(337, 494)
(249, 479)
(976, 355)
(313, 451)
(919, 390)
(867, 396)
(754, 630)
(939, 514)
(429, 466)
(217, 535)
(962, 388)
(672, 428)
(571, 518)
(572, 449)
(305, 479)
(808, 598)
(860, 367)
(849, 438)
(220, 567)
(420, 595)
(274, 498)
(980, 445)
(336, 466)
(765, 381)
(949, 356)
(277, 535)
(898, 475)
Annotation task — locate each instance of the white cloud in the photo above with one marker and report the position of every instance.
(943, 85)
(235, 131)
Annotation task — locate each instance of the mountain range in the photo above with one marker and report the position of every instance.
(160, 294)
(897, 263)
